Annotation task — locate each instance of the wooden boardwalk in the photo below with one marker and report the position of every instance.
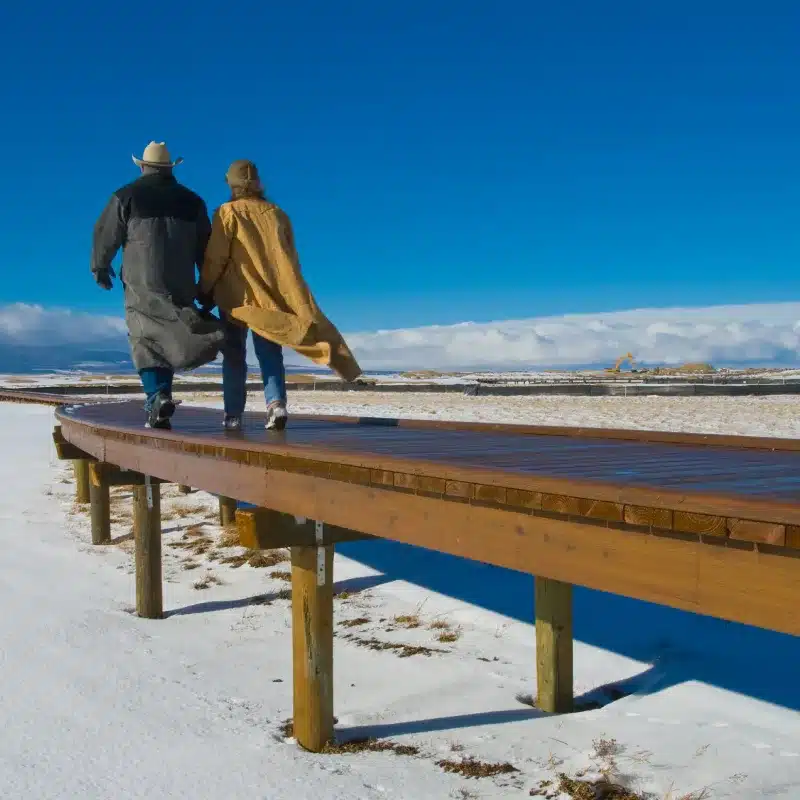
(708, 524)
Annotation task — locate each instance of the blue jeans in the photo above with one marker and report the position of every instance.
(234, 368)
(155, 380)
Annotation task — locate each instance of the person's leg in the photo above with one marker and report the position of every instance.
(273, 376)
(234, 370)
(157, 386)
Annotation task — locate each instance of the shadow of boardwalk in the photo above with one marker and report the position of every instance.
(349, 586)
(750, 661)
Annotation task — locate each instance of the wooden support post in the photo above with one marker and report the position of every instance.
(312, 644)
(100, 509)
(185, 489)
(80, 467)
(147, 540)
(553, 645)
(227, 511)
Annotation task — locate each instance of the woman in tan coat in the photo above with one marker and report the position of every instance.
(252, 273)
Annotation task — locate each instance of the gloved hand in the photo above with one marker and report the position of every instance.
(206, 301)
(104, 276)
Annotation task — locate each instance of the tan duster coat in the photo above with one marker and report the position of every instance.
(251, 257)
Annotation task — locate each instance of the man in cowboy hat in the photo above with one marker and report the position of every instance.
(162, 228)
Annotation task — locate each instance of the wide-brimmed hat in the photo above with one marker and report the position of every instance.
(156, 155)
(242, 174)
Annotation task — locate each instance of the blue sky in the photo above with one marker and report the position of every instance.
(441, 161)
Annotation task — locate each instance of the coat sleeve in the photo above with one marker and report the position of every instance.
(217, 252)
(109, 235)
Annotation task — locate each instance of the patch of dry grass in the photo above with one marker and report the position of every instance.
(197, 545)
(281, 575)
(207, 581)
(448, 637)
(267, 558)
(354, 623)
(473, 768)
(229, 537)
(407, 621)
(402, 650)
(580, 789)
(258, 559)
(187, 508)
(357, 745)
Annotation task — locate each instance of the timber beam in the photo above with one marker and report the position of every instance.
(66, 451)
(112, 475)
(265, 529)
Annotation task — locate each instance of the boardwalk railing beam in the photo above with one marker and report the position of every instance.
(553, 607)
(265, 529)
(147, 541)
(312, 643)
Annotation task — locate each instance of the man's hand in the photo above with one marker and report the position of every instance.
(206, 301)
(104, 276)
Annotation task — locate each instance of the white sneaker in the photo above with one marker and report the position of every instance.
(276, 417)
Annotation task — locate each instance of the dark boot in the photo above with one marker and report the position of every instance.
(162, 407)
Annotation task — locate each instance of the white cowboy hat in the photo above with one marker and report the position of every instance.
(156, 155)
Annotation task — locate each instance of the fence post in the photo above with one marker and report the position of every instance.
(80, 467)
(312, 643)
(147, 540)
(553, 645)
(100, 500)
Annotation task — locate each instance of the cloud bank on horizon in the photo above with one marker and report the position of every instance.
(758, 334)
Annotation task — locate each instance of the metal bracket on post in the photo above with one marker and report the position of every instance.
(149, 489)
(319, 535)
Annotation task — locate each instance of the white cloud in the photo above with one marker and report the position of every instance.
(24, 325)
(757, 334)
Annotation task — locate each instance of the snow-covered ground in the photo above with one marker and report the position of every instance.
(520, 377)
(98, 703)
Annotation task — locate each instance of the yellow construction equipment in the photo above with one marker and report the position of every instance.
(620, 361)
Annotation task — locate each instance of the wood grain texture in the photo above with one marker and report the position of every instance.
(561, 504)
(705, 524)
(553, 606)
(793, 536)
(649, 517)
(99, 508)
(650, 567)
(80, 467)
(265, 529)
(312, 647)
(761, 532)
(147, 547)
(227, 511)
(277, 453)
(602, 510)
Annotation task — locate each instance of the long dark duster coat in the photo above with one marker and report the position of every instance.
(162, 228)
